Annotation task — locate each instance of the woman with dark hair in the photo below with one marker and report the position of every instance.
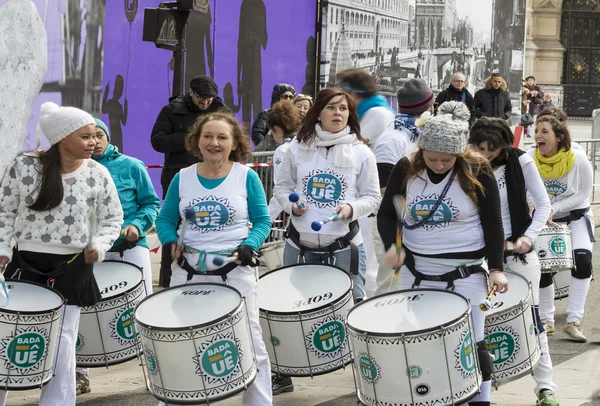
(220, 181)
(453, 221)
(334, 171)
(63, 211)
(517, 175)
(281, 91)
(568, 177)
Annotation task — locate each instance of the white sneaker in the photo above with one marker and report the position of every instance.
(574, 331)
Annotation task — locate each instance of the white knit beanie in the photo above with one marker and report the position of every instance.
(447, 131)
(59, 122)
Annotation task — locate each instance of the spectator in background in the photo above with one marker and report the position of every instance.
(259, 128)
(547, 101)
(303, 103)
(283, 123)
(168, 137)
(535, 96)
(493, 100)
(457, 91)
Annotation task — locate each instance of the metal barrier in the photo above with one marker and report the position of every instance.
(592, 149)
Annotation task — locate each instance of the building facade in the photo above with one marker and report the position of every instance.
(435, 23)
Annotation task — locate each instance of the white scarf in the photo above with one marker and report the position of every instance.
(340, 155)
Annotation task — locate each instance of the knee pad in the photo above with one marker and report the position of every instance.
(583, 264)
(485, 361)
(546, 280)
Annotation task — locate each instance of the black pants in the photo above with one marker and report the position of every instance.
(164, 278)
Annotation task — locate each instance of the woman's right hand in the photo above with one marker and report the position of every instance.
(175, 251)
(394, 259)
(296, 211)
(3, 263)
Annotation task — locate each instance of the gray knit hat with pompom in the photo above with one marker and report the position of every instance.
(448, 131)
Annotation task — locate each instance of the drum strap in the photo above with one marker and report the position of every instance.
(573, 215)
(191, 271)
(339, 244)
(59, 269)
(460, 272)
(124, 246)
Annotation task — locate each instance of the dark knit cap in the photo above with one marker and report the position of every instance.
(204, 86)
(414, 97)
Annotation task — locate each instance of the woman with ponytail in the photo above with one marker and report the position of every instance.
(568, 178)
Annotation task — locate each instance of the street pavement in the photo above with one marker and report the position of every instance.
(576, 372)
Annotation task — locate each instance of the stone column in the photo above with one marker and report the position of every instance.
(544, 52)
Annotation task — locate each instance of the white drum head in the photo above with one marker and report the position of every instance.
(408, 311)
(302, 287)
(116, 277)
(191, 305)
(31, 297)
(518, 289)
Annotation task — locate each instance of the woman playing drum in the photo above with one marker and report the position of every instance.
(63, 210)
(567, 176)
(452, 222)
(333, 171)
(516, 175)
(225, 196)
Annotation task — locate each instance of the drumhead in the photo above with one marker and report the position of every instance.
(302, 288)
(408, 311)
(518, 289)
(187, 306)
(31, 298)
(114, 278)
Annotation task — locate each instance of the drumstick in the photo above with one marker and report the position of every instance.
(189, 213)
(295, 198)
(400, 206)
(316, 225)
(486, 304)
(220, 260)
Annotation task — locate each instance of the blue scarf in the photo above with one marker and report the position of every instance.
(370, 102)
(406, 121)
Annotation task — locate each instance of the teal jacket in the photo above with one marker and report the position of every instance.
(136, 193)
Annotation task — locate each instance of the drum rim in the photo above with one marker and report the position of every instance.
(321, 307)
(195, 326)
(408, 333)
(53, 309)
(104, 299)
(523, 300)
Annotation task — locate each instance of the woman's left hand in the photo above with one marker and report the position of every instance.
(345, 211)
(131, 233)
(498, 279)
(522, 245)
(90, 254)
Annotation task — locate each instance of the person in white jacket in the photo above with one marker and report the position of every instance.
(331, 168)
(375, 116)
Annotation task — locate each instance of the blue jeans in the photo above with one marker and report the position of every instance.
(291, 256)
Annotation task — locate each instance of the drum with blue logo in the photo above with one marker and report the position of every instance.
(414, 347)
(197, 343)
(554, 249)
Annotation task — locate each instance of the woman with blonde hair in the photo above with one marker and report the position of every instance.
(303, 103)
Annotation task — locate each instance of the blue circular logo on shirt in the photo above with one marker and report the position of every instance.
(324, 188)
(210, 214)
(555, 189)
(421, 209)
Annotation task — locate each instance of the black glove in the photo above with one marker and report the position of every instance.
(245, 255)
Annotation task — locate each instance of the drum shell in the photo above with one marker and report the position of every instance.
(46, 324)
(562, 280)
(174, 359)
(107, 334)
(511, 338)
(389, 367)
(554, 249)
(273, 255)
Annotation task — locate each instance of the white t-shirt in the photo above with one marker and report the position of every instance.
(374, 122)
(274, 206)
(394, 145)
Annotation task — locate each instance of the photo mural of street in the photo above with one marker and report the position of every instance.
(396, 40)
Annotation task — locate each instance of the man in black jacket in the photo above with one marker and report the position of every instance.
(493, 100)
(457, 91)
(168, 137)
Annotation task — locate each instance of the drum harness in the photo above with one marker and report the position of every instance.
(59, 269)
(124, 246)
(460, 272)
(338, 244)
(222, 271)
(576, 215)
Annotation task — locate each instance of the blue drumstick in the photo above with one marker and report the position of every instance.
(219, 260)
(295, 198)
(189, 214)
(316, 225)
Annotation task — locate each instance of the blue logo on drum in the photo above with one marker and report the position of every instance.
(421, 206)
(324, 188)
(555, 188)
(211, 214)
